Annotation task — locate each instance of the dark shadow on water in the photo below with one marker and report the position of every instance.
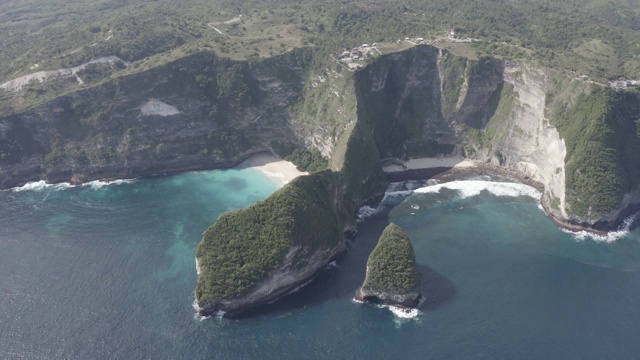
(235, 184)
(437, 290)
(342, 281)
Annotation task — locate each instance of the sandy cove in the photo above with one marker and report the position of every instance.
(277, 169)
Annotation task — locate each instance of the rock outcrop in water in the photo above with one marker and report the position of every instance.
(392, 276)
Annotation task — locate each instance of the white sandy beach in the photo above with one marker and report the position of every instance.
(274, 167)
(428, 163)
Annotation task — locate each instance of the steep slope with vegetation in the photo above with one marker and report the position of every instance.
(603, 145)
(392, 276)
(200, 111)
(256, 254)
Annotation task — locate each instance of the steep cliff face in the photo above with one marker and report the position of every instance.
(519, 136)
(255, 255)
(564, 133)
(197, 112)
(600, 128)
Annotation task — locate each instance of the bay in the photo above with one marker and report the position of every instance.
(108, 272)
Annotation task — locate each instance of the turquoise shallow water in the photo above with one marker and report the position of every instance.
(108, 273)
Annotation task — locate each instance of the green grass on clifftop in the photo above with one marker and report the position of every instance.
(392, 264)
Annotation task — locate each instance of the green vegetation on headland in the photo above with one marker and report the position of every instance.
(245, 246)
(601, 131)
(391, 267)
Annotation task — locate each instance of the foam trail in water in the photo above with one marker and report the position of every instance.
(467, 188)
(390, 199)
(41, 185)
(609, 237)
(366, 212)
(404, 313)
(98, 184)
(197, 315)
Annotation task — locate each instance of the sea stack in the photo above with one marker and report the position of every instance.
(392, 276)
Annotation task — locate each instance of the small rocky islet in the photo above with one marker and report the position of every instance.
(393, 277)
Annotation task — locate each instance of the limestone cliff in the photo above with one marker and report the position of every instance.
(426, 102)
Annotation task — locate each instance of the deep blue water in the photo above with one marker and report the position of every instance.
(108, 273)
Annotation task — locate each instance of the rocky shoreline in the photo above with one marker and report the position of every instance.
(173, 168)
(443, 174)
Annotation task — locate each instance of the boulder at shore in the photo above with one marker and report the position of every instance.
(392, 276)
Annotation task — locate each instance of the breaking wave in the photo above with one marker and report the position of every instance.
(403, 313)
(468, 188)
(99, 184)
(390, 200)
(197, 316)
(465, 188)
(611, 236)
(43, 185)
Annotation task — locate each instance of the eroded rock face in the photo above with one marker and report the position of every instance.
(199, 112)
(392, 276)
(283, 281)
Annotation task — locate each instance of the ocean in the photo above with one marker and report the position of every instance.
(107, 271)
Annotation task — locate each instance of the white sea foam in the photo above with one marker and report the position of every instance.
(332, 265)
(197, 308)
(390, 199)
(467, 188)
(610, 237)
(399, 312)
(403, 313)
(197, 315)
(41, 185)
(99, 184)
(366, 212)
(195, 305)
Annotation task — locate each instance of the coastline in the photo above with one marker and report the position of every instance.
(266, 162)
(433, 169)
(282, 172)
(279, 170)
